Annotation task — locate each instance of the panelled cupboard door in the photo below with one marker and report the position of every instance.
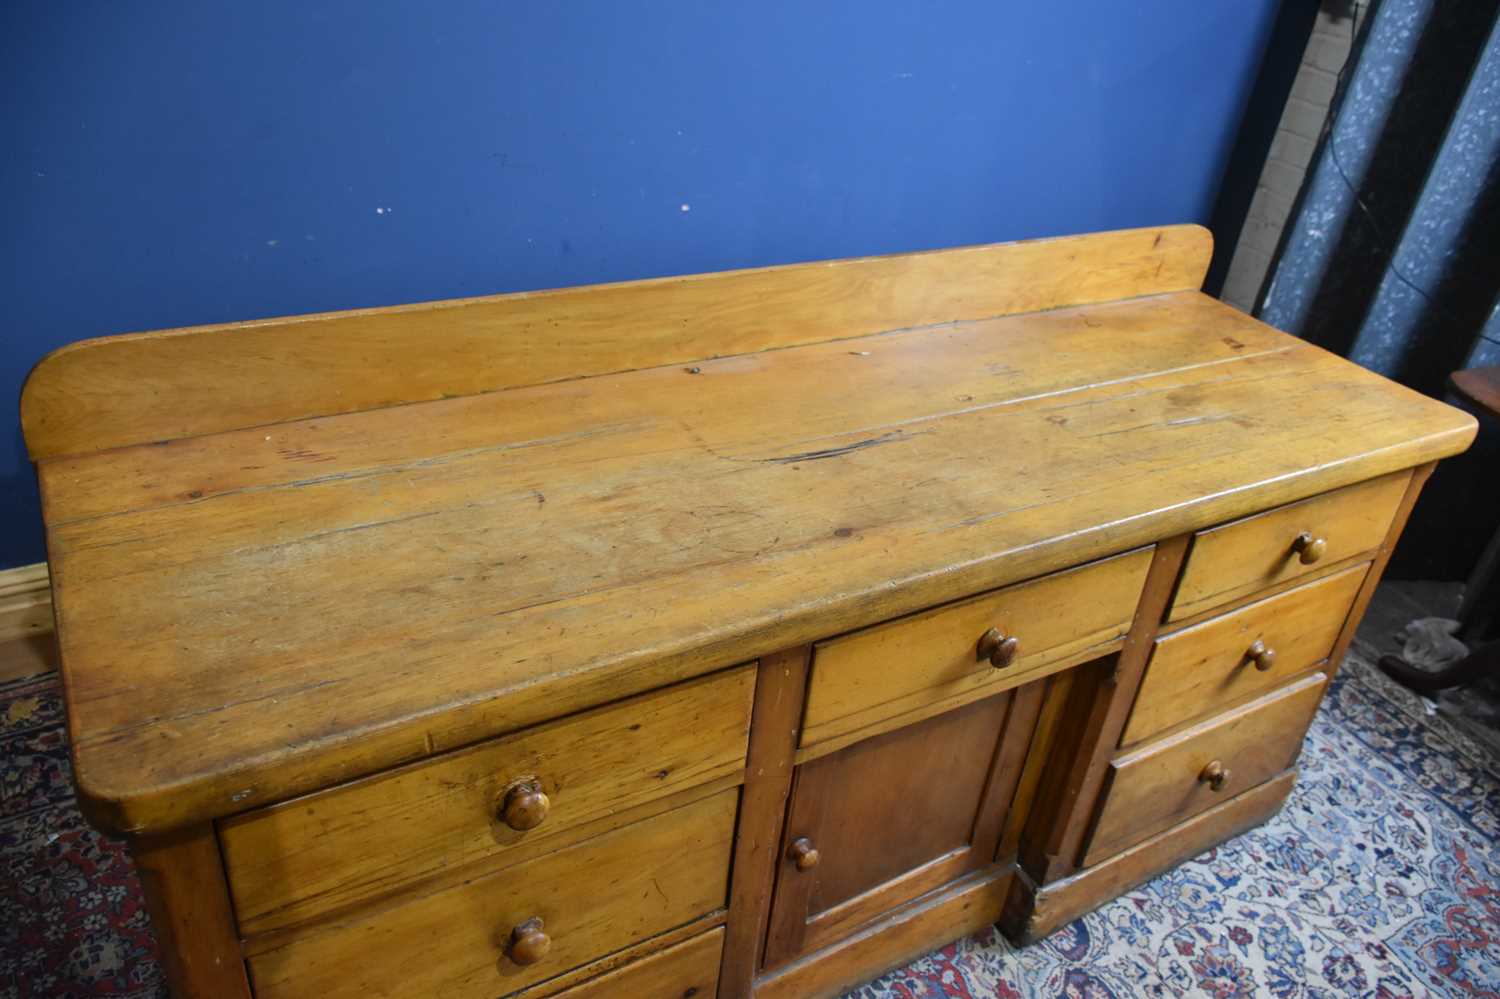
(877, 824)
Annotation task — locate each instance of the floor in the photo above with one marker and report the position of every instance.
(1475, 708)
(1381, 876)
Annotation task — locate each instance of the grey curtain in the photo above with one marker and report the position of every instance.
(1392, 256)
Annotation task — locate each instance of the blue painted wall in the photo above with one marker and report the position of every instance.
(174, 163)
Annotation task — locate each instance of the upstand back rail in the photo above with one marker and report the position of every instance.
(748, 632)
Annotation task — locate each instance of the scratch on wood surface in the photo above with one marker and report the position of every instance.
(981, 518)
(367, 525)
(1192, 421)
(835, 452)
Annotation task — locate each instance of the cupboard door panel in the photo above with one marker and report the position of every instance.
(882, 821)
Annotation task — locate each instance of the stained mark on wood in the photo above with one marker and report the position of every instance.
(303, 454)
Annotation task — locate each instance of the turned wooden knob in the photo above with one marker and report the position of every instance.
(999, 649)
(1309, 548)
(1261, 655)
(1215, 775)
(803, 854)
(528, 944)
(525, 806)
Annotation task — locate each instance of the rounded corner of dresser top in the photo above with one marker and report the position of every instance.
(109, 809)
(43, 391)
(1201, 238)
(1468, 429)
(1456, 438)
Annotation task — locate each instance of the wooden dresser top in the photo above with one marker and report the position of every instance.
(283, 558)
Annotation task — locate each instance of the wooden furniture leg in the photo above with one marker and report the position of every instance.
(188, 898)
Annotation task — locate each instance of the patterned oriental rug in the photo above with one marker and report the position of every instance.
(1380, 877)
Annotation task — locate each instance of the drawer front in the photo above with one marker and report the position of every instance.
(1209, 666)
(1236, 559)
(1167, 781)
(892, 668)
(591, 899)
(688, 969)
(306, 857)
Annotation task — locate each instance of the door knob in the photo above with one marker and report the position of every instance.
(803, 854)
(999, 649)
(1309, 548)
(528, 944)
(1215, 775)
(1261, 655)
(525, 805)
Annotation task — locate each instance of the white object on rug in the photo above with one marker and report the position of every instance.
(1430, 643)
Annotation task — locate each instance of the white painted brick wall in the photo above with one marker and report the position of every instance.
(1289, 157)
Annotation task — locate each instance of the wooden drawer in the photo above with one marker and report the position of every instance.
(311, 855)
(1238, 558)
(592, 898)
(1209, 666)
(1165, 781)
(893, 668)
(684, 970)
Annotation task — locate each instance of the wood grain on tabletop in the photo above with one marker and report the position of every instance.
(169, 384)
(322, 599)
